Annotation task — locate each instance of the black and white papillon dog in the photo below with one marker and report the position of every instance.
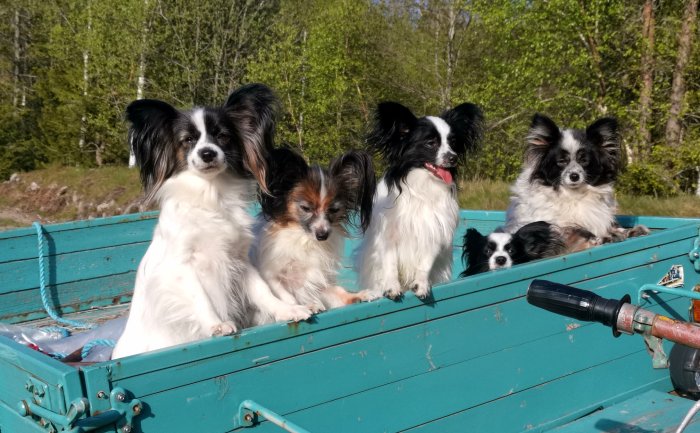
(500, 249)
(305, 220)
(196, 279)
(408, 245)
(568, 177)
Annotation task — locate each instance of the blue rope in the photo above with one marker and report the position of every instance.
(98, 342)
(42, 285)
(63, 331)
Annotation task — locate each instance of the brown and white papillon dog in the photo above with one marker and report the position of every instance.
(304, 223)
(196, 279)
(409, 243)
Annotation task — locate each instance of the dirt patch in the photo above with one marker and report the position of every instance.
(23, 200)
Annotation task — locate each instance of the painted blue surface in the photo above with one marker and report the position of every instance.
(475, 357)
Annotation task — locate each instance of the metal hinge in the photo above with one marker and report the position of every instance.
(121, 413)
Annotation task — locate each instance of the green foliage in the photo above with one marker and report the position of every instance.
(330, 62)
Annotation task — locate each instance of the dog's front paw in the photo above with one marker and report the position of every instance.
(294, 313)
(421, 288)
(317, 308)
(638, 230)
(393, 293)
(223, 328)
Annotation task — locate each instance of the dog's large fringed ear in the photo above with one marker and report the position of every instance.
(543, 133)
(467, 123)
(253, 110)
(472, 243)
(605, 134)
(392, 123)
(285, 168)
(153, 143)
(354, 170)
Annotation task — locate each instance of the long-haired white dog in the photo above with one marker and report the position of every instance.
(409, 243)
(196, 280)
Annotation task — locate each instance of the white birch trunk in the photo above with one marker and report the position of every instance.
(141, 80)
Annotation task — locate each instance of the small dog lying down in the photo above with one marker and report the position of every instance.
(300, 239)
(533, 241)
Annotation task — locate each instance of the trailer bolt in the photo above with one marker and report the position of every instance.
(102, 395)
(126, 429)
(137, 410)
(248, 417)
(696, 255)
(121, 397)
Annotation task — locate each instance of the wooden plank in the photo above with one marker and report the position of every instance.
(57, 242)
(25, 305)
(650, 411)
(66, 268)
(73, 225)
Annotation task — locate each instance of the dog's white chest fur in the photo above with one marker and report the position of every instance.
(301, 265)
(409, 242)
(192, 269)
(591, 207)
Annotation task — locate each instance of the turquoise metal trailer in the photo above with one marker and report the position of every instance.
(474, 357)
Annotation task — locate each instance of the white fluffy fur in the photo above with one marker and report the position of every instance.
(408, 245)
(590, 207)
(299, 268)
(196, 280)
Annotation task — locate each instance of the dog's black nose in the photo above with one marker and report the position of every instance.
(574, 177)
(451, 158)
(322, 235)
(501, 260)
(207, 154)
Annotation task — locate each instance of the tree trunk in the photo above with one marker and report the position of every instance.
(647, 67)
(141, 80)
(685, 42)
(17, 58)
(591, 41)
(86, 62)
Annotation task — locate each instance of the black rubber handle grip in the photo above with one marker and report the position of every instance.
(575, 303)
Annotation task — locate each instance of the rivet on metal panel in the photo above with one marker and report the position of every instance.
(102, 395)
(126, 429)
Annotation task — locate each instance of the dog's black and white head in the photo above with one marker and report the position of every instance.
(317, 199)
(433, 143)
(204, 140)
(572, 158)
(499, 250)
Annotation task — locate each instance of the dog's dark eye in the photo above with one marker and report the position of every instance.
(189, 140)
(222, 138)
(333, 210)
(563, 161)
(305, 208)
(582, 158)
(509, 249)
(430, 144)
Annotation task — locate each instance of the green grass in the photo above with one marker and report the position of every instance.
(494, 195)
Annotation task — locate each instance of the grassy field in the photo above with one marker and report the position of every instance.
(69, 193)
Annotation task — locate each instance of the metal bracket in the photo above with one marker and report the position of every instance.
(122, 413)
(694, 254)
(249, 413)
(643, 321)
